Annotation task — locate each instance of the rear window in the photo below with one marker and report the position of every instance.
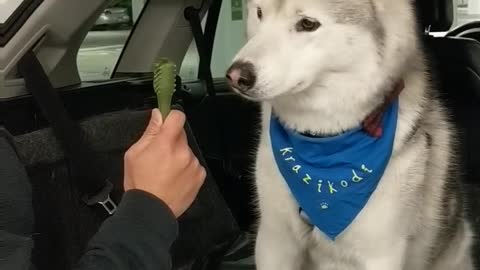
(13, 14)
(467, 11)
(229, 38)
(104, 43)
(7, 8)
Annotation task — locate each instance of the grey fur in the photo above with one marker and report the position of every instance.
(414, 131)
(452, 215)
(429, 139)
(416, 128)
(453, 208)
(363, 13)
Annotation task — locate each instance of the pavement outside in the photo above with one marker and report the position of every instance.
(101, 50)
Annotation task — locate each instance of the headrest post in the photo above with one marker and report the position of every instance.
(428, 29)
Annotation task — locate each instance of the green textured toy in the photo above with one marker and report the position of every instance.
(164, 76)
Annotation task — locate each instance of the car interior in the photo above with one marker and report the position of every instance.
(97, 81)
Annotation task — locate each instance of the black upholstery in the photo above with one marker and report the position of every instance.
(63, 224)
(468, 30)
(455, 66)
(435, 14)
(16, 211)
(456, 62)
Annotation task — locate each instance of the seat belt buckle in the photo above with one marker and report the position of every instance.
(103, 198)
(109, 205)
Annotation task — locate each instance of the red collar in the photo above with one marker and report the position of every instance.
(373, 123)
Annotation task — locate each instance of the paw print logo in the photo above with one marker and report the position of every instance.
(324, 205)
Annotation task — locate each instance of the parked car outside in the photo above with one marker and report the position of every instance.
(114, 18)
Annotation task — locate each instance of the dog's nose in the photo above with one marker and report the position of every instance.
(241, 76)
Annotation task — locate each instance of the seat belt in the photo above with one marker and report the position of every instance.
(90, 173)
(204, 43)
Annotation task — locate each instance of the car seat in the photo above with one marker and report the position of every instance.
(455, 66)
(63, 224)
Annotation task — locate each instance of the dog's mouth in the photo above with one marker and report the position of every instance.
(253, 94)
(250, 95)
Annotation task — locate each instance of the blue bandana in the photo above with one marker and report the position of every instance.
(332, 178)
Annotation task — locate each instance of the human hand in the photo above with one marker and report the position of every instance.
(163, 164)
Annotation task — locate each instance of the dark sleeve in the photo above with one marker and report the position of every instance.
(137, 237)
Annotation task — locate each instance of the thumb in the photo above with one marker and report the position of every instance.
(155, 123)
(153, 126)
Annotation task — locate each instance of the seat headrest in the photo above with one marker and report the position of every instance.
(436, 14)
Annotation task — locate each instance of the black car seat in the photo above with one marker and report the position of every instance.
(16, 210)
(63, 224)
(468, 30)
(455, 66)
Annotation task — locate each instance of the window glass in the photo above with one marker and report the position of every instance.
(467, 11)
(101, 49)
(230, 37)
(7, 7)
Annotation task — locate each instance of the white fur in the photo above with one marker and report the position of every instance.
(327, 82)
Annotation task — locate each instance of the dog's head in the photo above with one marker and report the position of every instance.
(298, 46)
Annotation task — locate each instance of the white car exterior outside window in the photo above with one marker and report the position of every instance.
(467, 11)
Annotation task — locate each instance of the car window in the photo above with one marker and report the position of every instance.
(13, 14)
(467, 11)
(7, 7)
(230, 37)
(103, 45)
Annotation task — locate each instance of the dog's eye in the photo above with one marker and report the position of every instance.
(259, 13)
(307, 25)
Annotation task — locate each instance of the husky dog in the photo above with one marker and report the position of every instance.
(322, 67)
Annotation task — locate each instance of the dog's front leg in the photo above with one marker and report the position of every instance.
(277, 249)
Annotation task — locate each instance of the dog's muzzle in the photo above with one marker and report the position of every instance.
(241, 76)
